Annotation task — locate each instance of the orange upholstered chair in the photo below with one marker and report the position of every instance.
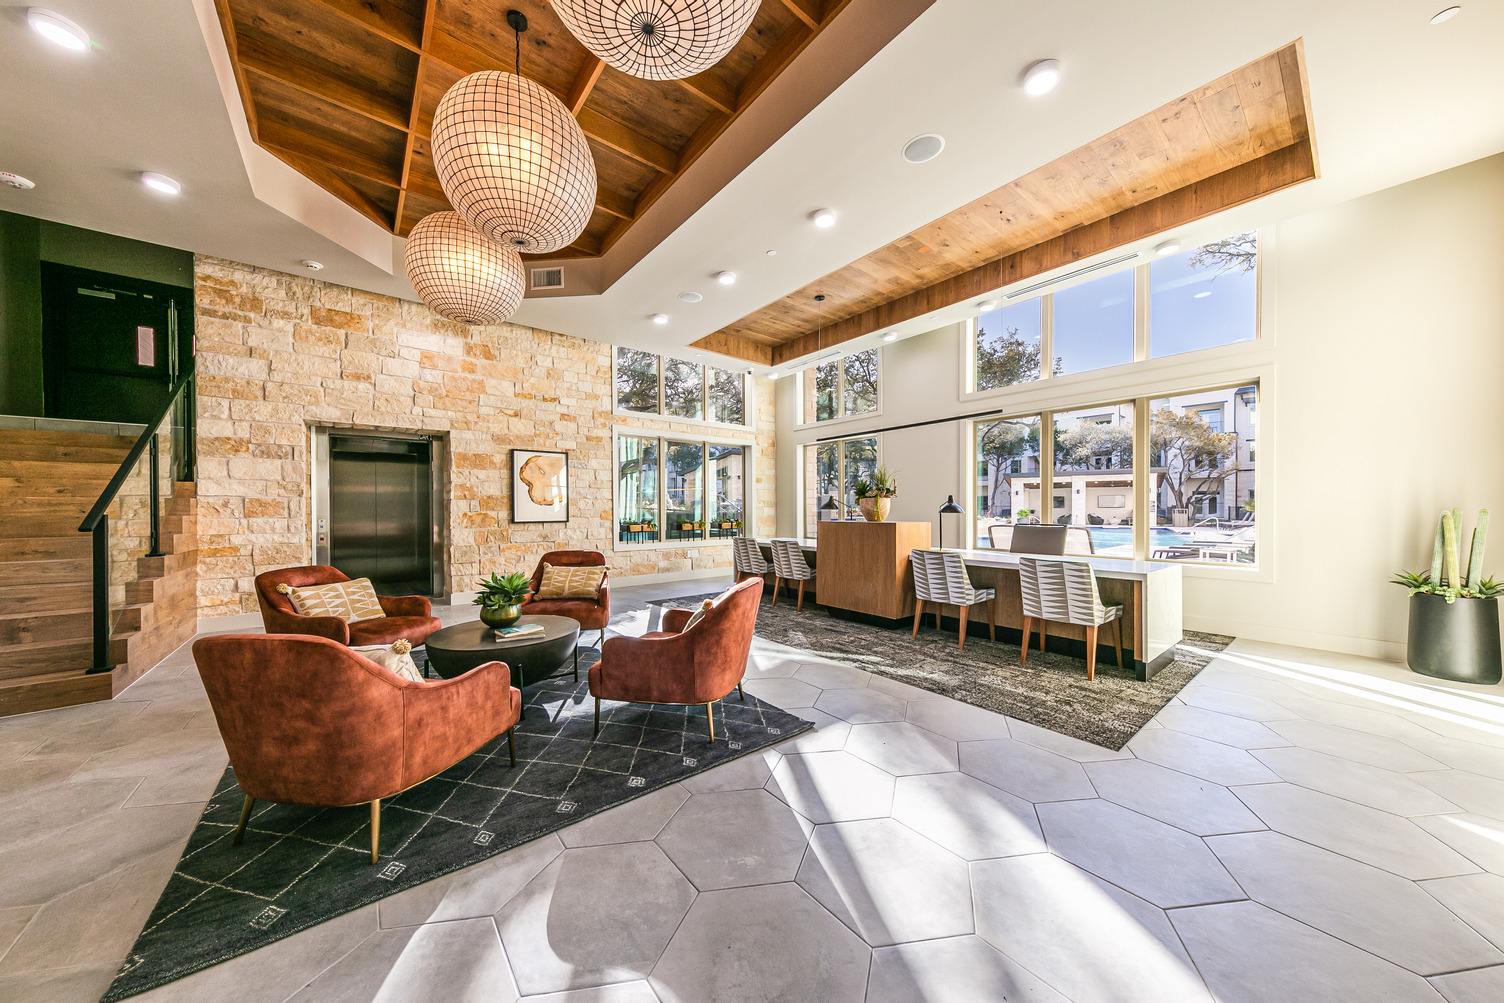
(409, 617)
(308, 721)
(592, 614)
(699, 665)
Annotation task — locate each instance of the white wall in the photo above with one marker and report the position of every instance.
(1381, 364)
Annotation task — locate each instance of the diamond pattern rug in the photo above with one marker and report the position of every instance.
(1050, 691)
(300, 866)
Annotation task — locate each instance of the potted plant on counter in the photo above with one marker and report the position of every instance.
(500, 598)
(875, 497)
(1454, 610)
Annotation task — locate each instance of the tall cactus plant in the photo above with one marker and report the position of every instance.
(1475, 553)
(1449, 576)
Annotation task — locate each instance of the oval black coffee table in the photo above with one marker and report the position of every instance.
(456, 650)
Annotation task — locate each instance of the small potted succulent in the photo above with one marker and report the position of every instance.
(1454, 610)
(500, 598)
(875, 497)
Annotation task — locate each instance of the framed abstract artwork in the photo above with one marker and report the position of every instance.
(540, 485)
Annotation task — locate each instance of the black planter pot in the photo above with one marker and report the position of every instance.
(1458, 640)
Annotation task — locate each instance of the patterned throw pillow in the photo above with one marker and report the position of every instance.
(396, 658)
(351, 601)
(705, 607)
(561, 582)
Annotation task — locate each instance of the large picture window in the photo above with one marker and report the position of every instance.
(842, 387)
(1007, 345)
(679, 490)
(1093, 324)
(1205, 297)
(1093, 479)
(1202, 471)
(1008, 481)
(654, 384)
(831, 473)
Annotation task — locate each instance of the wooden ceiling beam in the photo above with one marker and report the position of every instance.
(413, 111)
(381, 17)
(609, 132)
(278, 137)
(1272, 172)
(327, 179)
(584, 83)
(265, 61)
(232, 44)
(807, 11)
(709, 88)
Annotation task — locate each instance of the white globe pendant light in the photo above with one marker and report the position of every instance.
(658, 39)
(462, 275)
(514, 162)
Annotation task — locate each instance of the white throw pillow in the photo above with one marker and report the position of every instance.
(395, 657)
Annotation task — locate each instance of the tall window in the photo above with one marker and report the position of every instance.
(842, 387)
(1007, 345)
(653, 384)
(1093, 479)
(831, 473)
(1093, 323)
(679, 490)
(1205, 297)
(1203, 474)
(1008, 483)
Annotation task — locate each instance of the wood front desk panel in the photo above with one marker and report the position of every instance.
(864, 566)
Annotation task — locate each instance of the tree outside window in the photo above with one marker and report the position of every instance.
(636, 381)
(842, 387)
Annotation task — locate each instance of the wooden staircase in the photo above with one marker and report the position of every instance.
(48, 483)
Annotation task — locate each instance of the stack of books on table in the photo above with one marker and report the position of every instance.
(518, 630)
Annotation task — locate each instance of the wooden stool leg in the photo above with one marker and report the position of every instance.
(775, 590)
(964, 611)
(1117, 639)
(710, 717)
(375, 830)
(800, 604)
(512, 744)
(937, 617)
(245, 816)
(918, 612)
(992, 619)
(1023, 654)
(1091, 653)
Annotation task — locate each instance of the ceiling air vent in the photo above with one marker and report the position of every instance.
(548, 278)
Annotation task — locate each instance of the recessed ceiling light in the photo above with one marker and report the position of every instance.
(1445, 15)
(1203, 294)
(1041, 77)
(923, 148)
(987, 305)
(690, 297)
(772, 376)
(311, 265)
(57, 29)
(660, 318)
(823, 218)
(160, 183)
(770, 252)
(16, 181)
(890, 336)
(1166, 247)
(725, 278)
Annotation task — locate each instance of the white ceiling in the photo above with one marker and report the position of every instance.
(1393, 98)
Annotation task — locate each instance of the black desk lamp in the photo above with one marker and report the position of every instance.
(949, 508)
(830, 505)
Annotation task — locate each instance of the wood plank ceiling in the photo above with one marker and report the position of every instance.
(344, 92)
(1241, 136)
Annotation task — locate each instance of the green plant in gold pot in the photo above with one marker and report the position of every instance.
(875, 497)
(500, 598)
(1454, 610)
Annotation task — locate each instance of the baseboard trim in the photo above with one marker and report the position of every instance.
(229, 622)
(1367, 647)
(672, 576)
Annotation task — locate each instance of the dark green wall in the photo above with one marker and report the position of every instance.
(24, 244)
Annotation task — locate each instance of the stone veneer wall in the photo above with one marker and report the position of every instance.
(278, 354)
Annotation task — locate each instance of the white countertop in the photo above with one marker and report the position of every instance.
(1108, 566)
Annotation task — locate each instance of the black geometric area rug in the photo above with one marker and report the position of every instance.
(1050, 691)
(299, 866)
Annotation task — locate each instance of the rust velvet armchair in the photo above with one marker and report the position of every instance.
(409, 617)
(591, 614)
(307, 721)
(697, 665)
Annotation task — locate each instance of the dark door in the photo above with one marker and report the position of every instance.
(113, 344)
(380, 502)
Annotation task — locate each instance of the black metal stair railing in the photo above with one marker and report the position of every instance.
(179, 407)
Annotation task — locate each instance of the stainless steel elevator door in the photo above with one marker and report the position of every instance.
(379, 505)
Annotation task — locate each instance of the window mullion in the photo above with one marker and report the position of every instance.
(1046, 336)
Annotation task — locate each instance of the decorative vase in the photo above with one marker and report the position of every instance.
(1457, 640)
(875, 509)
(501, 616)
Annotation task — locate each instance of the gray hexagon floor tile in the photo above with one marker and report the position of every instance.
(732, 838)
(1369, 908)
(751, 945)
(783, 692)
(1477, 899)
(960, 722)
(861, 706)
(1062, 745)
(1483, 986)
(1250, 708)
(1385, 790)
(887, 882)
(1186, 802)
(833, 676)
(1477, 837)
(1200, 757)
(464, 957)
(1252, 954)
(1224, 728)
(971, 819)
(902, 749)
(1157, 862)
(1084, 937)
(1395, 844)
(1474, 757)
(747, 773)
(1373, 750)
(953, 970)
(620, 992)
(1030, 772)
(1468, 791)
(828, 734)
(902, 690)
(638, 819)
(596, 915)
(832, 787)
(478, 890)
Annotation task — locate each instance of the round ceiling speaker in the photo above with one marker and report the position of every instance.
(658, 39)
(462, 275)
(514, 162)
(924, 148)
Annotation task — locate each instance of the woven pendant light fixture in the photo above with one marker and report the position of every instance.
(462, 275)
(658, 39)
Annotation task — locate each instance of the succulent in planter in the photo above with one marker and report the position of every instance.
(500, 598)
(875, 496)
(1454, 609)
